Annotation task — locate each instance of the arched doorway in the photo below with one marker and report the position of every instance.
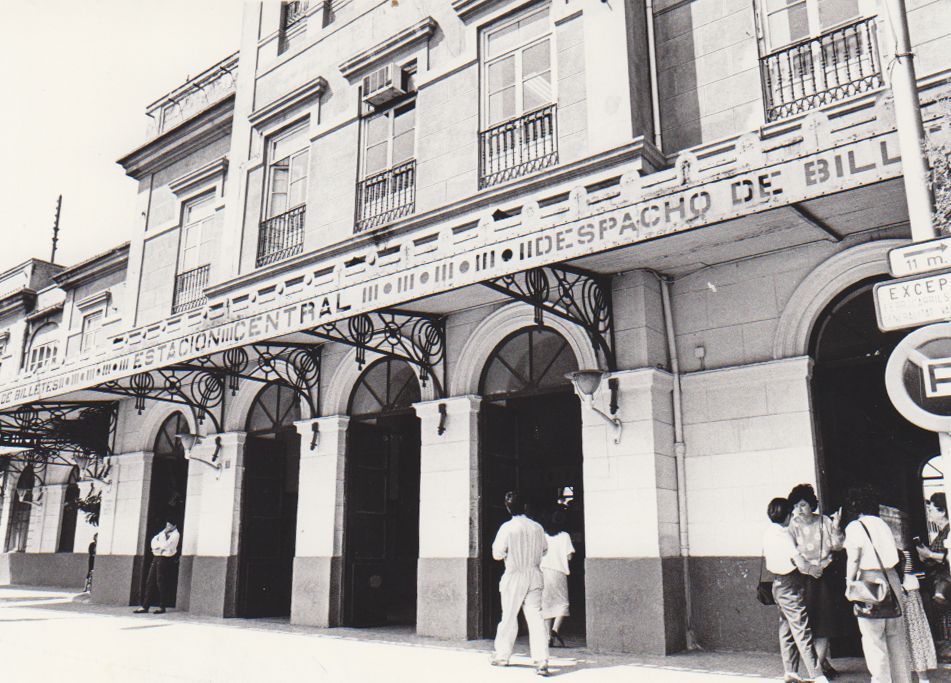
(861, 438)
(67, 528)
(167, 491)
(20, 511)
(269, 504)
(381, 545)
(531, 442)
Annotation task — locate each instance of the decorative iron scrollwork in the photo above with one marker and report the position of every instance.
(49, 432)
(570, 293)
(414, 337)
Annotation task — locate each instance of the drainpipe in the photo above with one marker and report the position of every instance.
(652, 59)
(680, 451)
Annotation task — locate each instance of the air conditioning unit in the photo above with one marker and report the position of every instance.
(383, 85)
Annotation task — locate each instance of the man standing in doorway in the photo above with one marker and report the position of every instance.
(521, 543)
(164, 549)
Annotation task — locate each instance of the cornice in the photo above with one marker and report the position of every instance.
(366, 59)
(97, 266)
(189, 181)
(311, 89)
(175, 144)
(45, 312)
(93, 300)
(13, 302)
(466, 8)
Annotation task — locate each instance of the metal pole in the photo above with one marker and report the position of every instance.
(911, 133)
(59, 205)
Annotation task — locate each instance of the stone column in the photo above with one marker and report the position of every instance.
(122, 519)
(46, 520)
(190, 531)
(214, 570)
(317, 595)
(634, 584)
(447, 579)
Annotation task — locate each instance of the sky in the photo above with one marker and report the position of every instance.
(76, 78)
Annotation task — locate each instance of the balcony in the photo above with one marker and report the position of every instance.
(281, 237)
(190, 289)
(818, 71)
(386, 196)
(519, 146)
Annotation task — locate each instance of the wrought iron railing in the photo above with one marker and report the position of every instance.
(817, 71)
(293, 12)
(386, 196)
(281, 237)
(190, 289)
(519, 146)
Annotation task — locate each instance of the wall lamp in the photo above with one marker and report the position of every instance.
(189, 441)
(443, 416)
(315, 435)
(35, 502)
(586, 382)
(90, 472)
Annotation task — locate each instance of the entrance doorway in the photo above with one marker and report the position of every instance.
(166, 495)
(861, 437)
(269, 504)
(381, 547)
(531, 442)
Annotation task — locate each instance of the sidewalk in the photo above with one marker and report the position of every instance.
(47, 634)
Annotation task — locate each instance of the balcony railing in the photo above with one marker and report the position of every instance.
(817, 71)
(386, 196)
(190, 289)
(281, 237)
(519, 146)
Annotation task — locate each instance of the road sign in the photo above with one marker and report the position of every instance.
(920, 257)
(913, 301)
(918, 377)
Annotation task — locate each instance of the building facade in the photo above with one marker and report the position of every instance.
(370, 247)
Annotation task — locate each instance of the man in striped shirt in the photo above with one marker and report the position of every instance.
(521, 543)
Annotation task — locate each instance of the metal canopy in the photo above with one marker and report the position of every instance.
(576, 295)
(416, 338)
(46, 431)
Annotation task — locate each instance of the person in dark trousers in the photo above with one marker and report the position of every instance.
(92, 563)
(164, 549)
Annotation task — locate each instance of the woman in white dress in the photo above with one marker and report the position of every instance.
(555, 571)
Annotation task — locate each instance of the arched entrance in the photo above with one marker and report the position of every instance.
(20, 511)
(269, 504)
(861, 437)
(531, 442)
(381, 545)
(167, 490)
(67, 528)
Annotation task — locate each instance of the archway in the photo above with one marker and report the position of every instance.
(381, 544)
(269, 504)
(861, 437)
(530, 441)
(67, 527)
(167, 491)
(20, 511)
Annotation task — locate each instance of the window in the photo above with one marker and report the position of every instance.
(196, 217)
(4, 340)
(287, 174)
(44, 348)
(788, 21)
(518, 104)
(388, 189)
(91, 336)
(293, 24)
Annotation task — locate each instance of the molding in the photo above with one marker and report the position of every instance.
(771, 371)
(94, 300)
(20, 301)
(201, 176)
(99, 265)
(336, 398)
(295, 98)
(466, 8)
(45, 312)
(367, 59)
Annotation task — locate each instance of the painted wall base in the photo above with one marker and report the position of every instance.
(635, 605)
(113, 579)
(56, 570)
(317, 597)
(213, 588)
(447, 598)
(183, 592)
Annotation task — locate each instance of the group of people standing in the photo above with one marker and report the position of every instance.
(813, 583)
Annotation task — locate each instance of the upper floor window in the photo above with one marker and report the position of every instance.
(819, 51)
(91, 330)
(518, 100)
(293, 24)
(281, 234)
(388, 188)
(44, 348)
(193, 266)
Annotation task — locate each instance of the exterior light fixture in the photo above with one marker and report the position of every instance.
(586, 382)
(21, 496)
(443, 416)
(97, 474)
(189, 441)
(315, 438)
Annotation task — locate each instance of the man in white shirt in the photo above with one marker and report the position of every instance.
(164, 548)
(522, 544)
(784, 562)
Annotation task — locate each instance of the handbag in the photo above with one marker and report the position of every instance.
(871, 595)
(764, 589)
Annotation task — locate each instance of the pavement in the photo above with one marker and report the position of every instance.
(48, 635)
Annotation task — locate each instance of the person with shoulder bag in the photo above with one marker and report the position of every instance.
(785, 563)
(875, 589)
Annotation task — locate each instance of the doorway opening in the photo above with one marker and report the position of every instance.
(20, 511)
(269, 504)
(861, 437)
(381, 544)
(67, 528)
(530, 441)
(167, 492)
